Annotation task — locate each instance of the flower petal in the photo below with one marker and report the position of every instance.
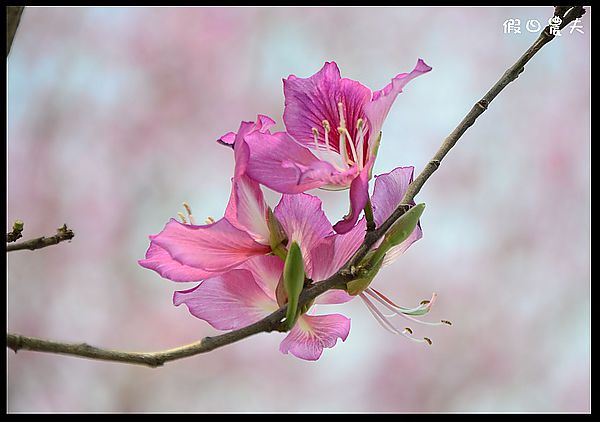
(309, 101)
(267, 271)
(304, 222)
(230, 301)
(388, 192)
(263, 124)
(159, 260)
(213, 247)
(283, 165)
(377, 110)
(333, 252)
(359, 195)
(228, 139)
(246, 209)
(313, 333)
(333, 297)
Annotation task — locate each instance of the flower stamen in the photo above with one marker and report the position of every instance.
(188, 209)
(326, 128)
(352, 147)
(325, 152)
(422, 309)
(343, 151)
(315, 133)
(382, 320)
(403, 313)
(360, 140)
(182, 217)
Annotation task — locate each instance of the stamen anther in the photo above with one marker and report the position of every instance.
(428, 340)
(327, 128)
(445, 321)
(209, 220)
(408, 330)
(188, 209)
(182, 217)
(315, 133)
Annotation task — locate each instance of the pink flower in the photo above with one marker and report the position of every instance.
(248, 293)
(240, 273)
(245, 295)
(233, 257)
(189, 252)
(333, 129)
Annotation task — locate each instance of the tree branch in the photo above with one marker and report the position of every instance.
(62, 233)
(338, 280)
(13, 17)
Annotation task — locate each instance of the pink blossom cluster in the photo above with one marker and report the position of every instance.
(333, 130)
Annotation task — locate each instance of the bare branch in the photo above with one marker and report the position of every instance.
(62, 233)
(13, 17)
(338, 280)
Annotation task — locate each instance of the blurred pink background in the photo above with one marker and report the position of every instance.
(112, 119)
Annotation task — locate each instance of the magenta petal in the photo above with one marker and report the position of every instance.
(313, 333)
(359, 195)
(159, 260)
(309, 101)
(230, 301)
(334, 251)
(242, 153)
(304, 222)
(389, 190)
(333, 297)
(214, 247)
(267, 271)
(246, 209)
(228, 139)
(263, 124)
(281, 164)
(377, 110)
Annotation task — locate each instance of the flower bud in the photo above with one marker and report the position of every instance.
(293, 282)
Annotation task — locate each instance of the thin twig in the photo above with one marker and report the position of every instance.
(13, 17)
(62, 233)
(338, 280)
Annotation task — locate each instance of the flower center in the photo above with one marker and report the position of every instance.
(344, 159)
